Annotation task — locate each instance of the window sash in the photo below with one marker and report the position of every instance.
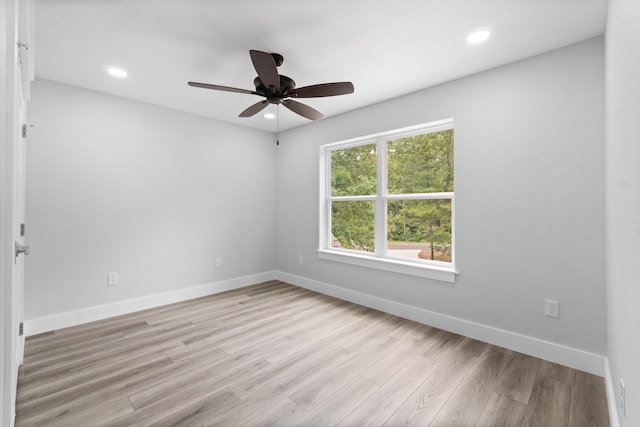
(380, 226)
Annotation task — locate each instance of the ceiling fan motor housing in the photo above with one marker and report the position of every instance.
(287, 84)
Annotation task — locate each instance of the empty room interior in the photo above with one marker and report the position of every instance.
(321, 213)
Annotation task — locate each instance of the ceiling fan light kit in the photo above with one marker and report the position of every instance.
(279, 89)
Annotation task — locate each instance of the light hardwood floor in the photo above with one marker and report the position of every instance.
(275, 354)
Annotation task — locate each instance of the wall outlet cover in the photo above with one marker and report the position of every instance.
(112, 279)
(551, 308)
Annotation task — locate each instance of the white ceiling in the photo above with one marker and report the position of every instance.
(386, 48)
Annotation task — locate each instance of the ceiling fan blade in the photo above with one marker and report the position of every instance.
(266, 68)
(254, 109)
(224, 88)
(302, 109)
(324, 89)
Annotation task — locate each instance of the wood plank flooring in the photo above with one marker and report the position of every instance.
(275, 354)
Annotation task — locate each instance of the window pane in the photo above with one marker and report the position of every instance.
(353, 171)
(352, 225)
(421, 163)
(419, 229)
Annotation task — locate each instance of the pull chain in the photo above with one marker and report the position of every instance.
(277, 124)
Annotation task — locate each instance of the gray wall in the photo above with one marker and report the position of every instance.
(529, 197)
(623, 202)
(151, 193)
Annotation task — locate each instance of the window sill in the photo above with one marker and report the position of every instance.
(445, 274)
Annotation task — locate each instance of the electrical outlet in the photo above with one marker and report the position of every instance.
(551, 308)
(112, 279)
(300, 259)
(623, 403)
(218, 262)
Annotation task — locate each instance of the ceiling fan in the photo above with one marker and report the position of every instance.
(279, 89)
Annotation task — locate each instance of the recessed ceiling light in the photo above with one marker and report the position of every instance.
(479, 36)
(269, 116)
(116, 72)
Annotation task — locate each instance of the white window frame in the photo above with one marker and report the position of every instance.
(438, 270)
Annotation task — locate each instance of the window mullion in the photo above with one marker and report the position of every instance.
(325, 200)
(381, 205)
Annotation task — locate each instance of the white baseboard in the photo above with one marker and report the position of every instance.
(611, 394)
(90, 314)
(557, 353)
(567, 356)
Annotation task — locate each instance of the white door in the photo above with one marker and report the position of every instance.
(14, 52)
(14, 295)
(19, 226)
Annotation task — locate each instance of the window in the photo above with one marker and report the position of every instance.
(387, 201)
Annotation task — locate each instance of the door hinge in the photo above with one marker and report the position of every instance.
(21, 329)
(22, 229)
(24, 129)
